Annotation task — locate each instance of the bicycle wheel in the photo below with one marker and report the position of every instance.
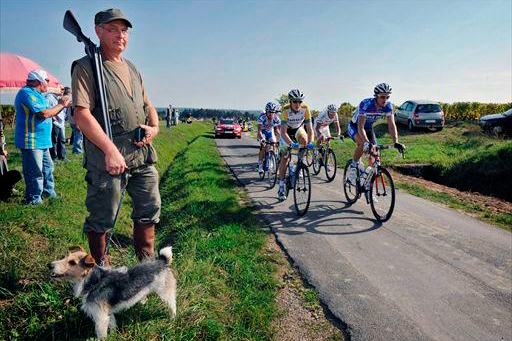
(352, 191)
(309, 157)
(317, 166)
(330, 165)
(302, 190)
(382, 195)
(272, 169)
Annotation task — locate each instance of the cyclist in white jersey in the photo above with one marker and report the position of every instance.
(324, 120)
(268, 129)
(360, 127)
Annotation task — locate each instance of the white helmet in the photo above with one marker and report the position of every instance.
(382, 88)
(332, 107)
(271, 106)
(295, 95)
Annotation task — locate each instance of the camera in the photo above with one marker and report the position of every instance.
(140, 133)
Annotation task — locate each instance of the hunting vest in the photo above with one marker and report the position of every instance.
(126, 113)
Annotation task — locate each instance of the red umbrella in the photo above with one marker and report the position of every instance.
(14, 70)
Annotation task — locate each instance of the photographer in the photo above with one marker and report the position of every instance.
(127, 161)
(58, 151)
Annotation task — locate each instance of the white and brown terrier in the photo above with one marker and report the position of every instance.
(105, 291)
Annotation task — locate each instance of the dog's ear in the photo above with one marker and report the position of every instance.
(76, 248)
(89, 261)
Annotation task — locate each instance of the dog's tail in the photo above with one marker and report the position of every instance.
(166, 254)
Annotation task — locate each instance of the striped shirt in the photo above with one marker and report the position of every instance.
(32, 131)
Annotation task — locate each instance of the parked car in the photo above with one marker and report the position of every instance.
(420, 114)
(497, 123)
(228, 127)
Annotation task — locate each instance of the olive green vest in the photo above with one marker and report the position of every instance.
(126, 113)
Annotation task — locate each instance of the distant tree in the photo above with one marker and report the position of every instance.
(345, 109)
(282, 100)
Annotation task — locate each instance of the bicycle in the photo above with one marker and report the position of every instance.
(325, 158)
(270, 163)
(298, 178)
(377, 185)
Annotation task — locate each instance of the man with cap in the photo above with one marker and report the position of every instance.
(122, 163)
(33, 135)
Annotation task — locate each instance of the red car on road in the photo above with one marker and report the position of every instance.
(228, 127)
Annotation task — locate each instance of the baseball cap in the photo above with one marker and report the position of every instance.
(38, 75)
(109, 15)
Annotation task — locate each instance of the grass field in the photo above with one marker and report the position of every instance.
(226, 289)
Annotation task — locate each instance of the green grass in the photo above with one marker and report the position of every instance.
(225, 286)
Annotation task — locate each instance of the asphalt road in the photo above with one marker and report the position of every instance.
(429, 273)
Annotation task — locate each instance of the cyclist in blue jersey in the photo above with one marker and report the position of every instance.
(268, 129)
(360, 127)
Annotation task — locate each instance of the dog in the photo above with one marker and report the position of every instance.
(106, 291)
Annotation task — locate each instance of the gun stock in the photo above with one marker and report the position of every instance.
(71, 25)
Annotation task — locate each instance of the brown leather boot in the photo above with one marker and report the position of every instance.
(144, 240)
(98, 245)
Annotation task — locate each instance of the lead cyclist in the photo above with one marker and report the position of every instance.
(360, 127)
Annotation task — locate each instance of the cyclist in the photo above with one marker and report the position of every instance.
(360, 127)
(294, 116)
(268, 129)
(324, 120)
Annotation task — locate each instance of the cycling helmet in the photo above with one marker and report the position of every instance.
(271, 107)
(382, 88)
(331, 107)
(295, 95)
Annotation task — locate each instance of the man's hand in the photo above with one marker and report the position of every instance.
(151, 133)
(368, 147)
(5, 153)
(65, 101)
(115, 163)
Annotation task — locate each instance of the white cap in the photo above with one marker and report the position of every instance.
(37, 75)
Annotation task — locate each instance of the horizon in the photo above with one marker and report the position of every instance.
(231, 54)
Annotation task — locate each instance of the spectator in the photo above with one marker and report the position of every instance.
(122, 163)
(58, 151)
(33, 136)
(168, 115)
(76, 135)
(7, 178)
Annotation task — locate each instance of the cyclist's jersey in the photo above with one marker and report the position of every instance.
(324, 118)
(267, 124)
(368, 109)
(293, 119)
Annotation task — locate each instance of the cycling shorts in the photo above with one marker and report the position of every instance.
(324, 131)
(268, 135)
(352, 132)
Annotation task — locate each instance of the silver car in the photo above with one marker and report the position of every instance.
(420, 114)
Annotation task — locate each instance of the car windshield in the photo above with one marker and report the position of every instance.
(227, 121)
(428, 108)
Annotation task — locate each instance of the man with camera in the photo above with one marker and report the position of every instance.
(58, 151)
(126, 162)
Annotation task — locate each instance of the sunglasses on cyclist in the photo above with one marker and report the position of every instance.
(296, 101)
(383, 96)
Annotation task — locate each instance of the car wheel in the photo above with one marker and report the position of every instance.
(439, 128)
(410, 126)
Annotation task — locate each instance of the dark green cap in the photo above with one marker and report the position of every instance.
(109, 15)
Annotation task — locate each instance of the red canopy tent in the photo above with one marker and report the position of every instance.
(14, 70)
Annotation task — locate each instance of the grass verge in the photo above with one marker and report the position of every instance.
(226, 288)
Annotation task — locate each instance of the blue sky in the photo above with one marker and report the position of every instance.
(241, 54)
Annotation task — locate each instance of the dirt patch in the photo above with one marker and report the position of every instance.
(492, 204)
(302, 317)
